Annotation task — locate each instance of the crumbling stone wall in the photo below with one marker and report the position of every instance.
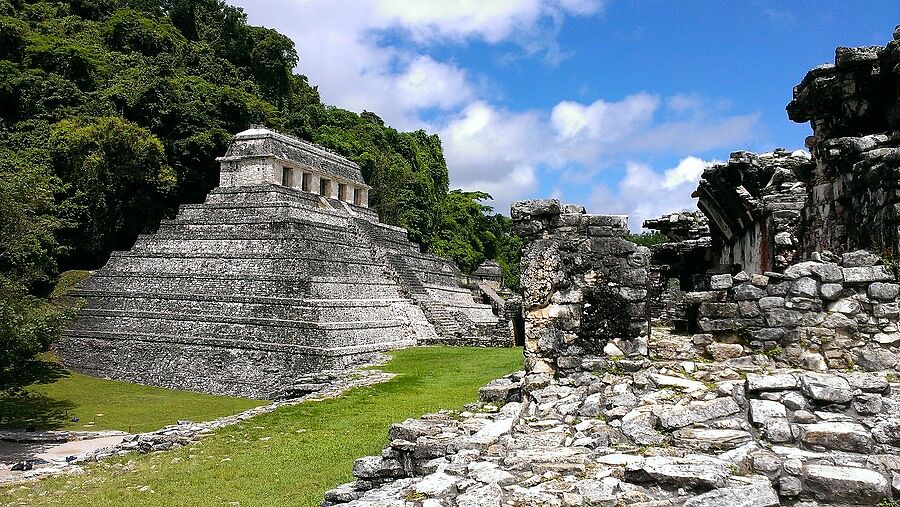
(675, 263)
(584, 286)
(853, 107)
(754, 204)
(820, 314)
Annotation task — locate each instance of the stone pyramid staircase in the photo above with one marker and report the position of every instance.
(259, 287)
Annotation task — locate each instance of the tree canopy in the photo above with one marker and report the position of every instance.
(113, 112)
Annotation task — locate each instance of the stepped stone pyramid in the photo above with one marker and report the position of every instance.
(283, 274)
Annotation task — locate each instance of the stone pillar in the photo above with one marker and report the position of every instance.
(584, 287)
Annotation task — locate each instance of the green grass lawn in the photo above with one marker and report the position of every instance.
(289, 457)
(101, 404)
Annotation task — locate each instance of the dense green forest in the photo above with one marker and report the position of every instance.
(113, 111)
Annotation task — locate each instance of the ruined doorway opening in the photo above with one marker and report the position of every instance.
(304, 182)
(518, 322)
(342, 192)
(325, 187)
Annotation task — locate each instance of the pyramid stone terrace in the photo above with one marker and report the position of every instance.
(280, 276)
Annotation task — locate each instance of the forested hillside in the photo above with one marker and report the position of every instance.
(112, 113)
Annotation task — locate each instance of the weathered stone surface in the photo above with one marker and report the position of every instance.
(489, 495)
(758, 494)
(696, 472)
(763, 411)
(710, 439)
(640, 426)
(375, 467)
(718, 282)
(490, 473)
(867, 274)
(884, 291)
(747, 291)
(437, 485)
(836, 435)
(826, 388)
(844, 484)
(772, 382)
(689, 413)
(724, 351)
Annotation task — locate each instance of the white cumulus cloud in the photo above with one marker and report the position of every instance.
(644, 193)
(375, 55)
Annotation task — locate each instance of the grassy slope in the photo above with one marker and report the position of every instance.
(289, 457)
(111, 405)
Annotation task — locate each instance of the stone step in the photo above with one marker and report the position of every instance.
(255, 263)
(217, 342)
(252, 230)
(250, 329)
(334, 310)
(290, 286)
(244, 247)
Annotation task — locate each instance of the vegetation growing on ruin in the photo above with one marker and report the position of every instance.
(646, 238)
(113, 112)
(291, 456)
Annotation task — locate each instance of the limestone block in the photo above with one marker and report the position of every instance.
(805, 287)
(827, 273)
(859, 258)
(762, 411)
(719, 310)
(867, 274)
(686, 414)
(839, 436)
(782, 317)
(844, 484)
(846, 306)
(690, 471)
(759, 280)
(758, 494)
(825, 387)
(724, 351)
(832, 290)
(748, 291)
(771, 302)
(884, 291)
(718, 282)
(771, 382)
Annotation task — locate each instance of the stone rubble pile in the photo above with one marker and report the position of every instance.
(671, 430)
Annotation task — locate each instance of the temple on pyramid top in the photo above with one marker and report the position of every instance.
(259, 156)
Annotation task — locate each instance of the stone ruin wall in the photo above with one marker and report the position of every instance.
(853, 107)
(584, 287)
(729, 413)
(817, 315)
(754, 204)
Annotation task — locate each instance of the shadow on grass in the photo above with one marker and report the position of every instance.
(20, 409)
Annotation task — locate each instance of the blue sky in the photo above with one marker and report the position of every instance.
(616, 105)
